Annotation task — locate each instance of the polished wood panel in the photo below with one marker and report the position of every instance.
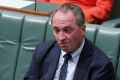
(24, 11)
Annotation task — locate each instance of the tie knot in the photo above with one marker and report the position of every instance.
(67, 56)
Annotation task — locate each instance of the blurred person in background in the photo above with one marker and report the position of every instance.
(96, 11)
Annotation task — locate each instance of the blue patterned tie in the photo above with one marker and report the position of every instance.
(63, 71)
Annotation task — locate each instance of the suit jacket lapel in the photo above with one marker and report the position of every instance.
(53, 60)
(84, 62)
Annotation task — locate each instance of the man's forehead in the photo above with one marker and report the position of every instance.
(61, 18)
(62, 13)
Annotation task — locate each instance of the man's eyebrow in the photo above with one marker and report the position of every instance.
(54, 26)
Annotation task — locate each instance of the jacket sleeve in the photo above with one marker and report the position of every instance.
(99, 12)
(106, 72)
(37, 59)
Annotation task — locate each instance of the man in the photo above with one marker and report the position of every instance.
(96, 11)
(84, 61)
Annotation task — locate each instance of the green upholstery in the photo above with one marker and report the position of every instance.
(20, 33)
(32, 34)
(115, 23)
(10, 30)
(42, 6)
(49, 33)
(91, 31)
(108, 40)
(46, 7)
(30, 7)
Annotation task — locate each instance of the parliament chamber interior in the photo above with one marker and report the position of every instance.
(26, 23)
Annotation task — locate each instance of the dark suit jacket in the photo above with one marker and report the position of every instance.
(93, 64)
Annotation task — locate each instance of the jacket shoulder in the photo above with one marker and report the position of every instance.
(43, 49)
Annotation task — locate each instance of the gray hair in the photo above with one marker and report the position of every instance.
(76, 10)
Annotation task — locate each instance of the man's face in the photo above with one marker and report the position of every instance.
(68, 34)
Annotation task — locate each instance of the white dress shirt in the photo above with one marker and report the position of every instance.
(71, 63)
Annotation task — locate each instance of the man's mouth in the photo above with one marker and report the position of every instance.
(63, 45)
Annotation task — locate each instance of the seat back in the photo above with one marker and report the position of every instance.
(91, 31)
(33, 33)
(108, 40)
(49, 33)
(10, 32)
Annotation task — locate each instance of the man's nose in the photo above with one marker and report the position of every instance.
(62, 36)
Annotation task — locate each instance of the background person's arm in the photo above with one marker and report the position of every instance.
(100, 12)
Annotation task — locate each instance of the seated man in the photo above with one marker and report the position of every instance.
(96, 11)
(71, 56)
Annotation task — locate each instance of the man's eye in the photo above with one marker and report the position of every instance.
(68, 30)
(56, 30)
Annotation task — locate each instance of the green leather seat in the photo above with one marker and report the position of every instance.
(108, 40)
(91, 31)
(49, 33)
(10, 31)
(33, 33)
(115, 23)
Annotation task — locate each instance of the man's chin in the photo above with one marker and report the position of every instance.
(66, 50)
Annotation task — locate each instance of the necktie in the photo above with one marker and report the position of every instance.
(63, 71)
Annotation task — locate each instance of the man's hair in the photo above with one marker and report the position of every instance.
(76, 10)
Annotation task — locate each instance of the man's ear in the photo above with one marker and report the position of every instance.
(83, 28)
